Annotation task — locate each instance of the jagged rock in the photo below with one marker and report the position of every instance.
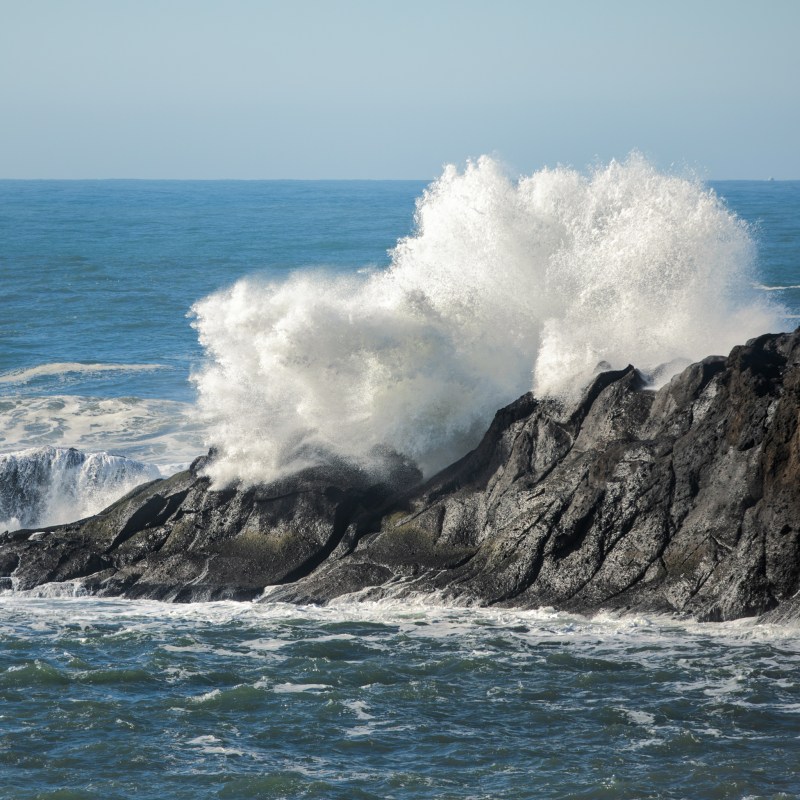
(178, 540)
(685, 499)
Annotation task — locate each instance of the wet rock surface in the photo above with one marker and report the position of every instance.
(685, 499)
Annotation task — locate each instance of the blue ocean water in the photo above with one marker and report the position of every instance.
(771, 208)
(106, 271)
(114, 699)
(111, 699)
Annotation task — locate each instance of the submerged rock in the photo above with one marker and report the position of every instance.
(685, 499)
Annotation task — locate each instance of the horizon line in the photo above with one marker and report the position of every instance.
(317, 180)
(229, 180)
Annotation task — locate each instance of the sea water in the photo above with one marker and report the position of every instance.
(333, 300)
(116, 699)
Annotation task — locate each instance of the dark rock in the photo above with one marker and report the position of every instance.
(685, 499)
(178, 540)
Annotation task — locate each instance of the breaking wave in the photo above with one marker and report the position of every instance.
(51, 485)
(62, 368)
(506, 285)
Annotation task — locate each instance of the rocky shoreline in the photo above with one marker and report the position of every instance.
(683, 500)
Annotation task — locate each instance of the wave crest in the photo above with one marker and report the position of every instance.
(505, 286)
(62, 368)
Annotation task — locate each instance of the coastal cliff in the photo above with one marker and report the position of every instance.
(685, 499)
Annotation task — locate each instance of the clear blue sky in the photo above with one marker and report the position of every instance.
(379, 89)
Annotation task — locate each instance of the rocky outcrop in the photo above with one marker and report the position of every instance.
(685, 499)
(177, 540)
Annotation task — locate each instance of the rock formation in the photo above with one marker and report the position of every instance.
(685, 499)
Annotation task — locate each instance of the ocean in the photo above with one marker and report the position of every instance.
(119, 699)
(286, 320)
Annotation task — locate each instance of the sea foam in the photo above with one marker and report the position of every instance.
(161, 432)
(506, 286)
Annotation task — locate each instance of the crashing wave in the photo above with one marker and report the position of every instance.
(506, 285)
(51, 485)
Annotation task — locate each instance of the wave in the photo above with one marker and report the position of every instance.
(56, 467)
(506, 286)
(765, 288)
(49, 486)
(26, 375)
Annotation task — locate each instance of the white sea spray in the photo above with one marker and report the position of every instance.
(506, 286)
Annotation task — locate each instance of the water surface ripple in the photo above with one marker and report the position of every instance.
(114, 699)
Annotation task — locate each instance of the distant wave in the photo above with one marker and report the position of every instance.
(506, 285)
(49, 485)
(776, 288)
(65, 367)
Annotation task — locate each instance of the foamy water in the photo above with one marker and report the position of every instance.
(389, 700)
(165, 433)
(506, 286)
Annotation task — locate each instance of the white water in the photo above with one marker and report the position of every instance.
(506, 286)
(48, 485)
(441, 619)
(160, 432)
(56, 467)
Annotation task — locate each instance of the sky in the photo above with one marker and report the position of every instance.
(254, 89)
